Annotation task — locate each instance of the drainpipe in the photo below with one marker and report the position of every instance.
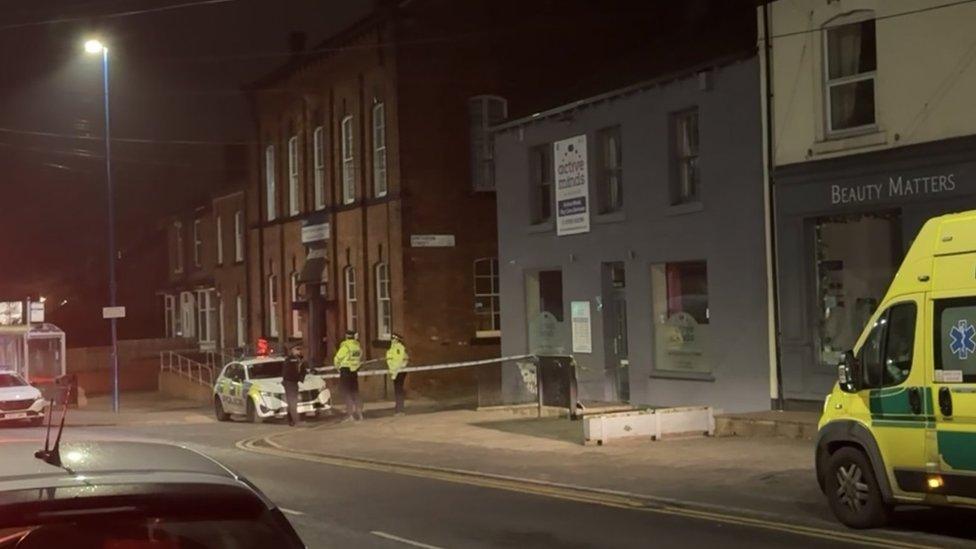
(772, 255)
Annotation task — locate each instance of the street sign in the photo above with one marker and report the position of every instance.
(37, 312)
(432, 241)
(113, 312)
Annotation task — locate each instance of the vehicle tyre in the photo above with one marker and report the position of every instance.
(852, 490)
(219, 410)
(251, 413)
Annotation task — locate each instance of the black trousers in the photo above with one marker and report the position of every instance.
(291, 398)
(399, 392)
(349, 383)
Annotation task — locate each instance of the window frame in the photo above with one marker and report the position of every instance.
(241, 321)
(608, 172)
(206, 310)
(494, 298)
(829, 83)
(380, 182)
(270, 185)
(197, 244)
(238, 236)
(541, 156)
(938, 307)
(294, 180)
(883, 323)
(220, 240)
(318, 160)
(482, 151)
(348, 148)
(681, 158)
(169, 315)
(351, 298)
(273, 305)
(384, 304)
(296, 327)
(180, 246)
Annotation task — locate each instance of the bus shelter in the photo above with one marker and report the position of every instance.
(35, 351)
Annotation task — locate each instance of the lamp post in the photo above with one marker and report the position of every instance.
(96, 47)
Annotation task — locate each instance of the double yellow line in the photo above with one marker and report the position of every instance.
(266, 445)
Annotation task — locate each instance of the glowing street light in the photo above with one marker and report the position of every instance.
(95, 47)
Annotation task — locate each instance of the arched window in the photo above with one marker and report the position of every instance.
(384, 311)
(349, 276)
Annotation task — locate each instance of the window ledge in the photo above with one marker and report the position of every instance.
(610, 217)
(846, 142)
(683, 376)
(546, 227)
(686, 208)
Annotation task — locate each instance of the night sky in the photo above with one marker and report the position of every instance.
(175, 76)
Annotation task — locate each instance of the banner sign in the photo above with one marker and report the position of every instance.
(572, 186)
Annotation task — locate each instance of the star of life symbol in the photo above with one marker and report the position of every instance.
(963, 336)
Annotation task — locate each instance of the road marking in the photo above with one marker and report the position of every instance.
(291, 512)
(621, 500)
(404, 541)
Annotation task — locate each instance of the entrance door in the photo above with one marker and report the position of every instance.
(615, 330)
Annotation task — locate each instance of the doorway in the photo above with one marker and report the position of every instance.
(615, 330)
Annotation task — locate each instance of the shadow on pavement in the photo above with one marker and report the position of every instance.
(552, 428)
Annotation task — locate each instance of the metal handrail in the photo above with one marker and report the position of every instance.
(171, 361)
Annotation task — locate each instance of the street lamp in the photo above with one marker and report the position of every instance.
(95, 47)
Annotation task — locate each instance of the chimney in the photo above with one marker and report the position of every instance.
(296, 42)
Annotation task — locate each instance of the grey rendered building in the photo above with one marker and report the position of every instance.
(632, 235)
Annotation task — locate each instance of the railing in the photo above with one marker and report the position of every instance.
(171, 361)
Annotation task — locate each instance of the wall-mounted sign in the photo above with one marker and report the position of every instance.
(582, 326)
(315, 233)
(113, 312)
(37, 312)
(894, 188)
(572, 186)
(432, 241)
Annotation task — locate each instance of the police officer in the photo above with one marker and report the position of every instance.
(396, 360)
(293, 373)
(347, 360)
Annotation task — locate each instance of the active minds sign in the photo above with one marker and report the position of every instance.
(572, 186)
(894, 188)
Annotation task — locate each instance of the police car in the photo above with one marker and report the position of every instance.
(251, 388)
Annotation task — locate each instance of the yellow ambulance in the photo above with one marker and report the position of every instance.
(900, 425)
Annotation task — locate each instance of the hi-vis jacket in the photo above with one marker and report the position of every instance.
(396, 357)
(348, 355)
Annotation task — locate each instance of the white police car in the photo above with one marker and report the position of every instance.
(19, 401)
(252, 388)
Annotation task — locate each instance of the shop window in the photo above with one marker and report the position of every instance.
(384, 311)
(681, 316)
(610, 179)
(850, 64)
(686, 176)
(856, 258)
(484, 112)
(318, 156)
(955, 339)
(294, 205)
(486, 298)
(270, 193)
(541, 180)
(349, 278)
(379, 150)
(348, 162)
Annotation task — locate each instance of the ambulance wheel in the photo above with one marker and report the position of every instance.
(853, 492)
(219, 410)
(251, 414)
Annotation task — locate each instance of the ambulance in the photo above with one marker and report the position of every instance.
(899, 426)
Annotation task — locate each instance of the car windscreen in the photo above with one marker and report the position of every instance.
(265, 370)
(8, 379)
(146, 515)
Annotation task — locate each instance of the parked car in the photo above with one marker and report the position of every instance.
(252, 388)
(19, 401)
(88, 495)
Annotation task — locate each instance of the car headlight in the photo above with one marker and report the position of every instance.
(266, 395)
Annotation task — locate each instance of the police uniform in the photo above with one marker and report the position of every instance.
(293, 374)
(396, 360)
(348, 359)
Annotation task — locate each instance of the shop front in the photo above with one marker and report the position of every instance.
(843, 226)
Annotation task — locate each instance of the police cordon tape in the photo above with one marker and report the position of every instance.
(446, 366)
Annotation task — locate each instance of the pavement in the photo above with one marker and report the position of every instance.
(465, 478)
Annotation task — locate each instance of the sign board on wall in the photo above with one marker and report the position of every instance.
(432, 241)
(113, 312)
(582, 329)
(572, 186)
(315, 233)
(37, 312)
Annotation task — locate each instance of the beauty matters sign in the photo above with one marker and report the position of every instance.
(895, 188)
